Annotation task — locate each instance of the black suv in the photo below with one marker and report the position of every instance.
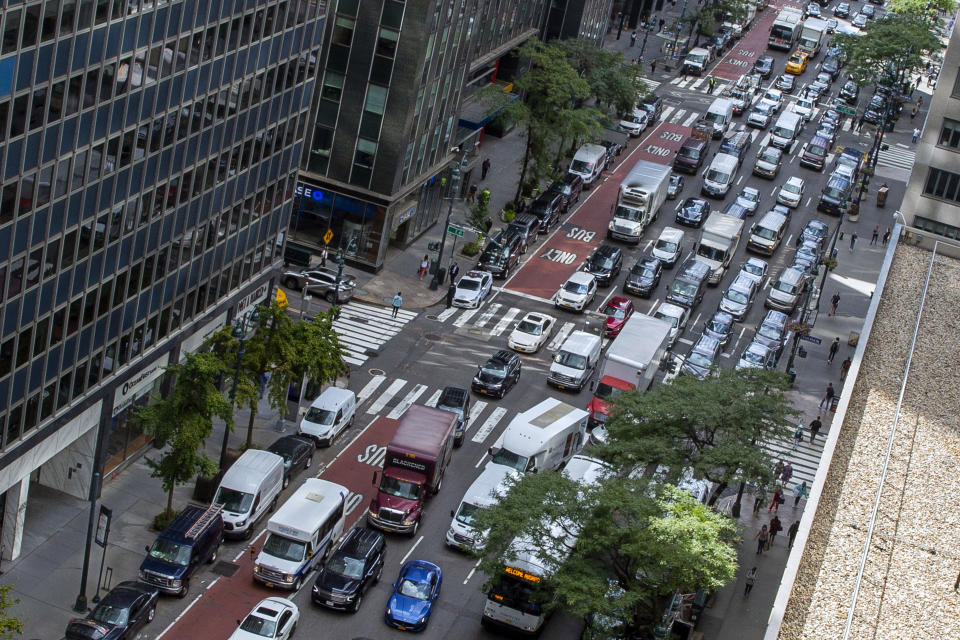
(604, 264)
(297, 453)
(653, 105)
(456, 400)
(547, 208)
(644, 277)
(351, 570)
(498, 374)
(502, 254)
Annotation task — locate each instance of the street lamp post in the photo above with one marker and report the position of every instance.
(239, 333)
(455, 174)
(336, 287)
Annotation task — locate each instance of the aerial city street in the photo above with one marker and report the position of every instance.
(729, 227)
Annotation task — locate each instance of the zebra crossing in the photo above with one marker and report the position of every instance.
(897, 158)
(496, 319)
(804, 459)
(365, 328)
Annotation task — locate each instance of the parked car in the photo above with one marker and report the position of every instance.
(738, 298)
(297, 454)
(675, 186)
(121, 613)
(351, 570)
(577, 292)
(773, 331)
(604, 264)
(749, 199)
(868, 10)
(456, 400)
(411, 602)
(644, 277)
(618, 310)
(813, 10)
(635, 122)
(274, 618)
(532, 332)
(653, 105)
(570, 185)
(693, 212)
(831, 65)
(499, 374)
(832, 24)
(321, 281)
(850, 92)
(674, 315)
(755, 268)
(472, 289)
(842, 10)
(757, 356)
(860, 21)
(815, 230)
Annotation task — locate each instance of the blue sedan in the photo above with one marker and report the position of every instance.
(411, 602)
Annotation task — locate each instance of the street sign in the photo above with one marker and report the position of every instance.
(455, 231)
(812, 339)
(850, 111)
(328, 236)
(103, 526)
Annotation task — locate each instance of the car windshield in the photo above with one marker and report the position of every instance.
(716, 176)
(494, 367)
(711, 253)
(581, 166)
(765, 233)
(572, 360)
(605, 392)
(108, 614)
(344, 565)
(753, 269)
(832, 192)
(718, 326)
(626, 213)
(170, 552)
(782, 132)
(575, 287)
(467, 513)
(753, 357)
(411, 589)
(689, 152)
(785, 287)
(684, 289)
(674, 321)
(509, 459)
(532, 328)
(770, 156)
(400, 488)
(737, 296)
(233, 500)
(791, 187)
(317, 415)
(259, 626)
(284, 548)
(601, 262)
(763, 108)
(817, 150)
(700, 359)
(469, 285)
(666, 245)
(769, 331)
(615, 312)
(751, 196)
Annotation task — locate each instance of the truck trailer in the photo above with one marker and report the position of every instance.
(812, 36)
(642, 193)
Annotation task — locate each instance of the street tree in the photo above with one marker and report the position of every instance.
(10, 626)
(710, 16)
(181, 422)
(715, 427)
(277, 353)
(613, 81)
(892, 48)
(929, 9)
(618, 548)
(552, 92)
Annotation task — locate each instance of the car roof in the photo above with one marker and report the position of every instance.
(823, 141)
(581, 277)
(419, 569)
(755, 260)
(504, 355)
(452, 396)
(533, 316)
(619, 301)
(476, 274)
(749, 190)
(271, 608)
(670, 309)
(606, 250)
(126, 593)
(286, 444)
(743, 282)
(360, 542)
(706, 343)
(668, 233)
(775, 317)
(722, 316)
(794, 180)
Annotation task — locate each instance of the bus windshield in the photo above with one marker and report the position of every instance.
(515, 594)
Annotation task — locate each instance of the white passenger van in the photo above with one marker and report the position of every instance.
(250, 487)
(589, 162)
(575, 361)
(544, 437)
(485, 491)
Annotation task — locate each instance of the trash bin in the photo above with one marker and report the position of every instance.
(434, 263)
(793, 375)
(441, 274)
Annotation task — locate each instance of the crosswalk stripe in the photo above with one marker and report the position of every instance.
(489, 424)
(475, 412)
(699, 82)
(487, 314)
(652, 85)
(505, 321)
(894, 157)
(432, 402)
(666, 113)
(385, 311)
(370, 387)
(689, 120)
(408, 400)
(386, 396)
(363, 327)
(678, 116)
(446, 313)
(351, 360)
(560, 337)
(676, 80)
(465, 317)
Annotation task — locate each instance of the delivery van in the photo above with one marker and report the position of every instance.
(329, 415)
(485, 491)
(589, 162)
(250, 488)
(786, 130)
(542, 438)
(575, 361)
(720, 175)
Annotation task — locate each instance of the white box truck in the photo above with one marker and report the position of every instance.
(811, 36)
(642, 193)
(630, 363)
(719, 238)
(541, 438)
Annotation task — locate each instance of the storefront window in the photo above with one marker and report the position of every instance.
(357, 225)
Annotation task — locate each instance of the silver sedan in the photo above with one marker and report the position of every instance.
(321, 282)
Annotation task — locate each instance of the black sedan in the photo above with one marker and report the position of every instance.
(352, 569)
(604, 264)
(122, 613)
(644, 277)
(693, 212)
(850, 92)
(297, 454)
(497, 375)
(764, 66)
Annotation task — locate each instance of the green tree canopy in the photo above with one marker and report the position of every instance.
(928, 9)
(710, 16)
(892, 48)
(181, 422)
(613, 81)
(10, 626)
(713, 427)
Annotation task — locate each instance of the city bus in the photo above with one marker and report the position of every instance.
(785, 29)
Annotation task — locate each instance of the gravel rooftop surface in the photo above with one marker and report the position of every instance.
(907, 589)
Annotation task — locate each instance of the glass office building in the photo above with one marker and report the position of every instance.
(148, 156)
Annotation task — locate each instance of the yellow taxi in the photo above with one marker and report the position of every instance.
(797, 63)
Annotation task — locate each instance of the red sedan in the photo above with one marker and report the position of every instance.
(618, 311)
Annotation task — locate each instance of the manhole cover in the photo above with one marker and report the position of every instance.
(435, 337)
(376, 372)
(432, 317)
(225, 569)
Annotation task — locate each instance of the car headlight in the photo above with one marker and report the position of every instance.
(288, 577)
(241, 523)
(256, 568)
(389, 612)
(175, 583)
(315, 590)
(143, 574)
(422, 620)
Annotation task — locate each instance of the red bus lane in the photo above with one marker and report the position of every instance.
(568, 246)
(215, 614)
(739, 60)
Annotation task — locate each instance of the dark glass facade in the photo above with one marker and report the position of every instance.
(149, 154)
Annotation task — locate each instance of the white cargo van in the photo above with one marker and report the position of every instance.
(248, 490)
(329, 415)
(301, 533)
(589, 162)
(541, 438)
(720, 175)
(485, 491)
(574, 363)
(786, 130)
(719, 116)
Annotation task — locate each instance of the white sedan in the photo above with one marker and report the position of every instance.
(577, 292)
(472, 289)
(791, 193)
(274, 618)
(532, 332)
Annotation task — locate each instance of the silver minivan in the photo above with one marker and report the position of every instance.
(766, 235)
(786, 290)
(786, 130)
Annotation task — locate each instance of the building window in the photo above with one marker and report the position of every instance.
(332, 87)
(376, 99)
(387, 43)
(949, 134)
(933, 226)
(343, 31)
(363, 162)
(320, 149)
(942, 184)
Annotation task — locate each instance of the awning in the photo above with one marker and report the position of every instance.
(476, 115)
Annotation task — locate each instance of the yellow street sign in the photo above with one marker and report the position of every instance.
(282, 298)
(328, 236)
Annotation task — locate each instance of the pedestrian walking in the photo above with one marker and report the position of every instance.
(916, 134)
(786, 474)
(758, 501)
(488, 224)
(775, 527)
(397, 301)
(844, 368)
(917, 85)
(454, 270)
(920, 102)
(815, 427)
(834, 346)
(762, 537)
(472, 193)
(853, 240)
(792, 533)
(860, 123)
(484, 168)
(424, 265)
(750, 579)
(451, 291)
(800, 492)
(662, 22)
(875, 238)
(828, 396)
(797, 436)
(777, 499)
(633, 38)
(834, 301)
(323, 257)
(913, 113)
(886, 236)
(778, 468)
(653, 66)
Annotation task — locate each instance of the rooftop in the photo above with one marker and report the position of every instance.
(879, 551)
